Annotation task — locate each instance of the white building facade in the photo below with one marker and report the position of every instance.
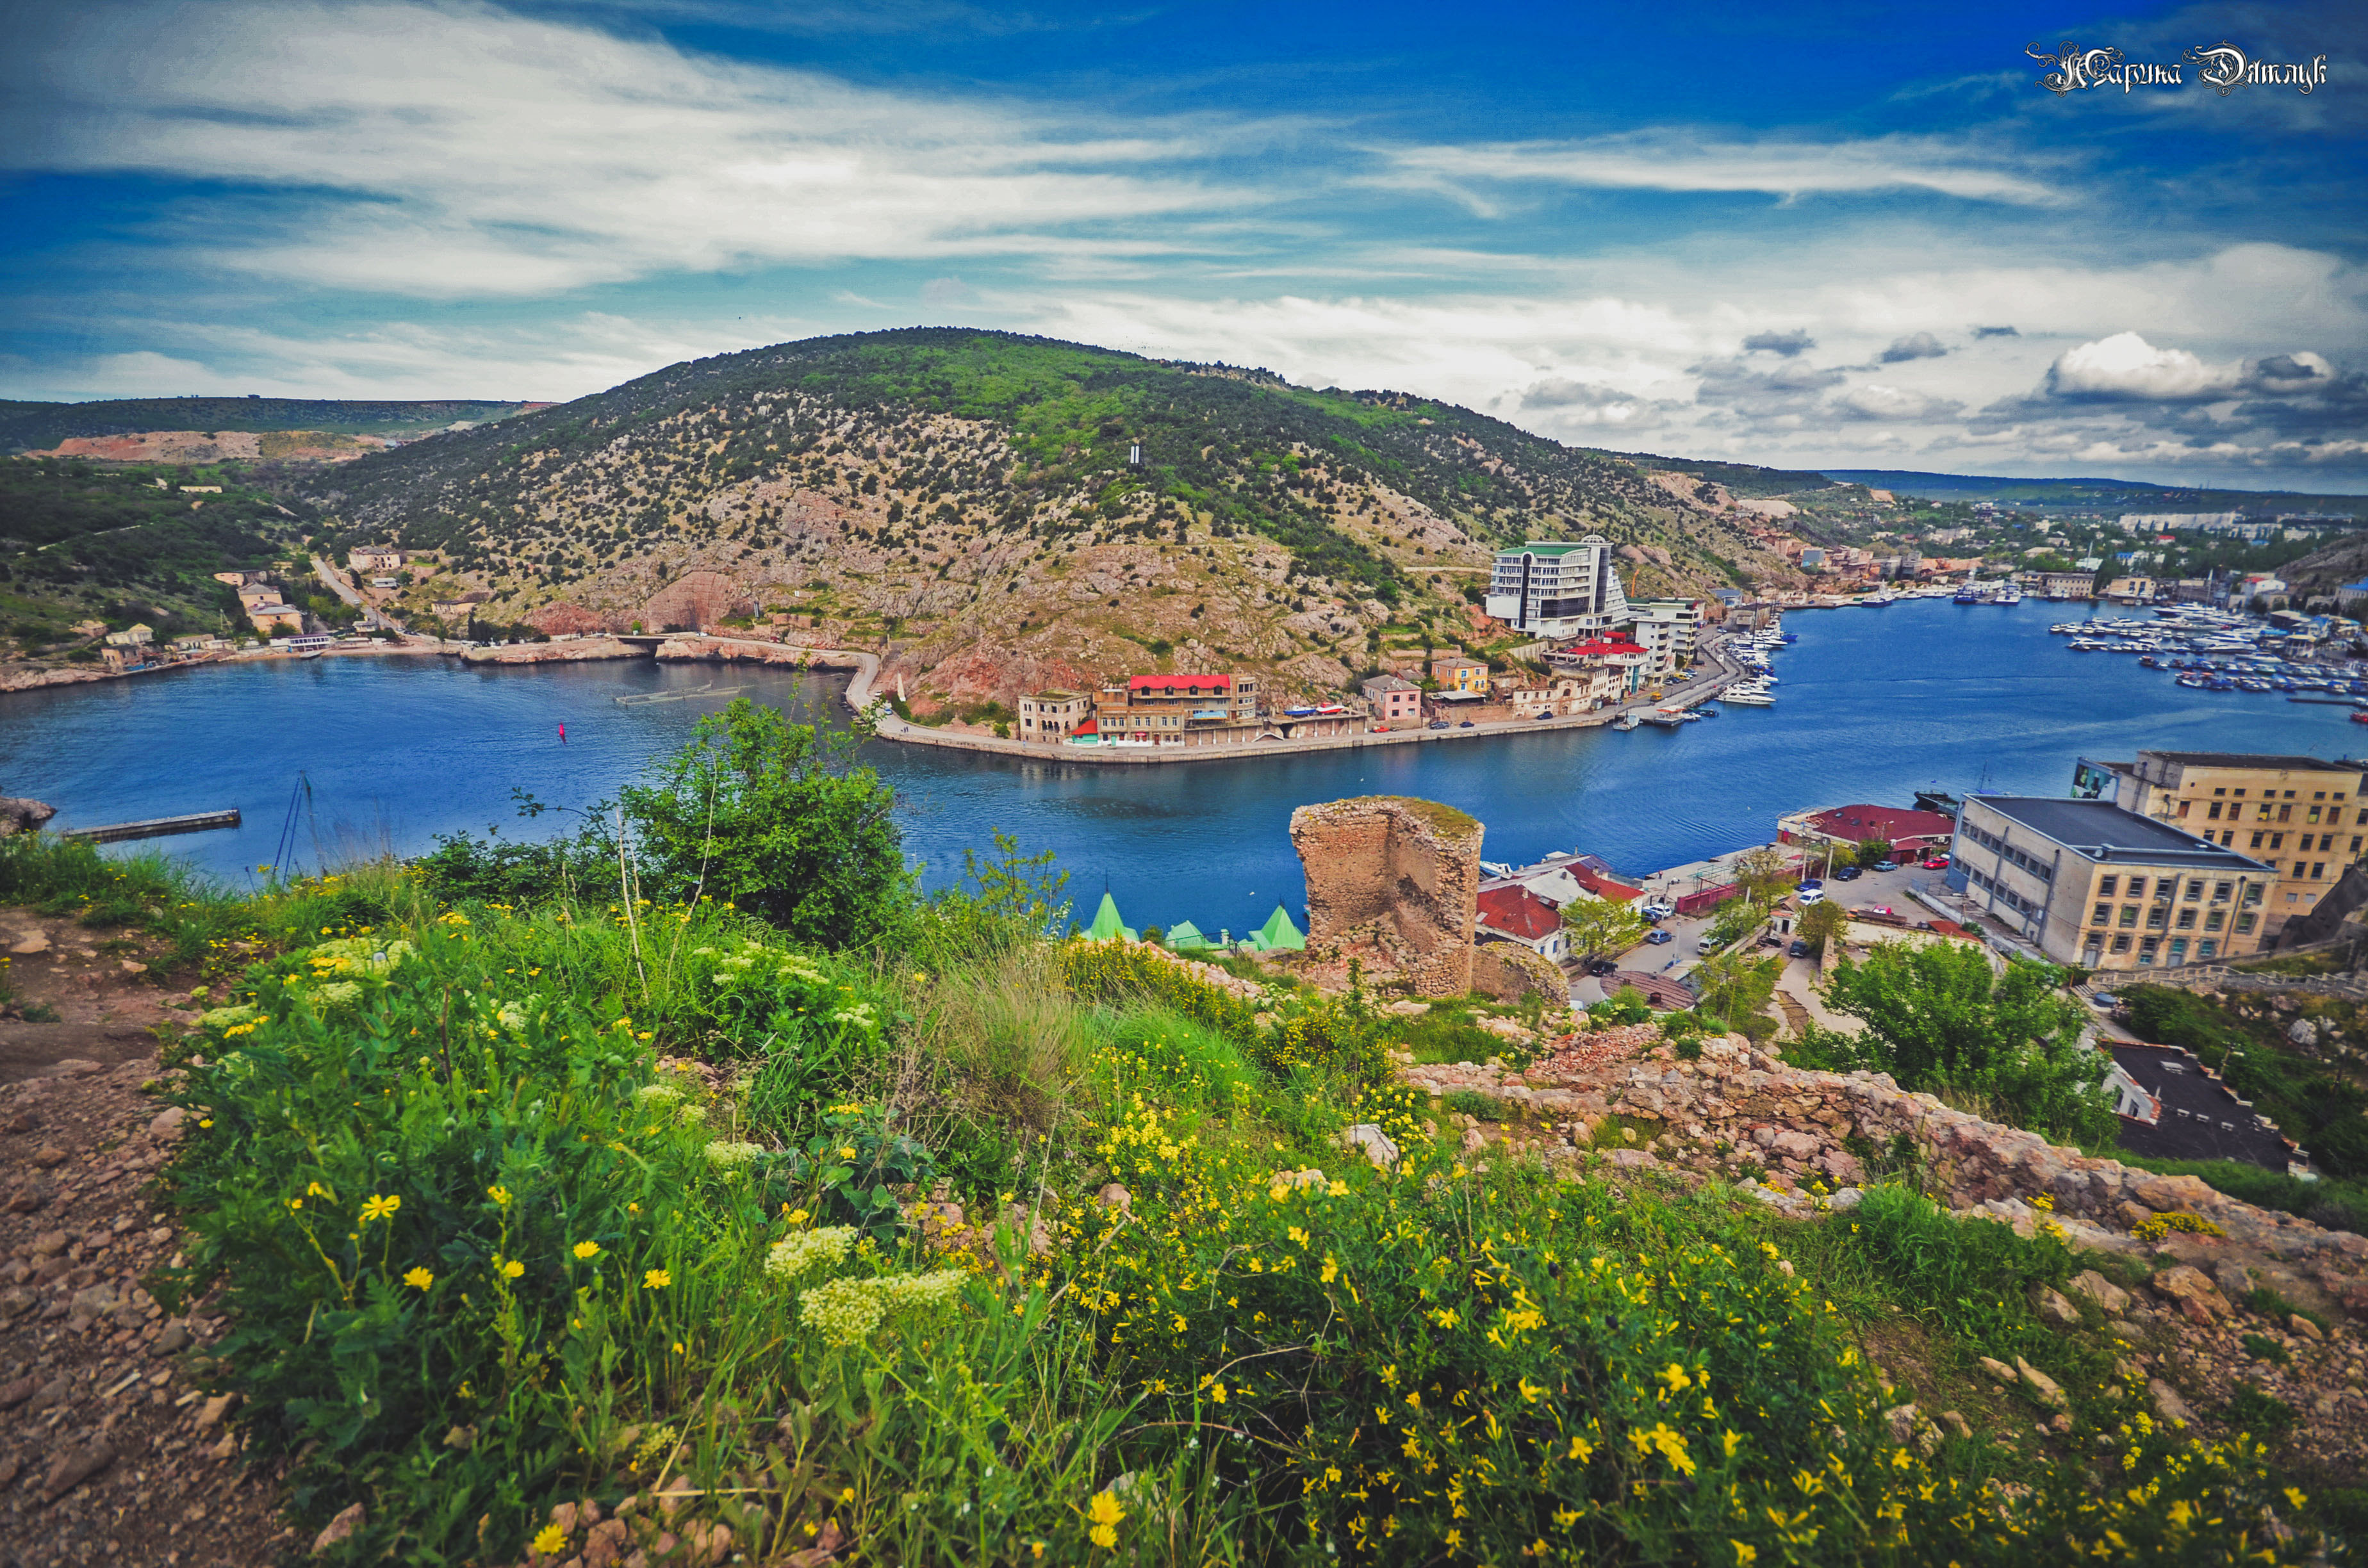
(1558, 589)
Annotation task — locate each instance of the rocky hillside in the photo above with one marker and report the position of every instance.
(999, 513)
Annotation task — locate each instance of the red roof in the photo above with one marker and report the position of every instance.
(1518, 912)
(1090, 727)
(1610, 645)
(1180, 683)
(1861, 822)
(1601, 887)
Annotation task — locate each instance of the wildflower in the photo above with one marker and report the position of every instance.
(728, 1155)
(587, 1250)
(1104, 1513)
(377, 1207)
(1745, 1556)
(205, 1121)
(499, 1194)
(512, 1269)
(792, 1255)
(795, 1216)
(294, 1204)
(419, 1279)
(655, 1280)
(1217, 1393)
(550, 1541)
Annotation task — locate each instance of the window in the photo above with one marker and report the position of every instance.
(2317, 869)
(2362, 820)
(2223, 791)
(2244, 922)
(2257, 839)
(2206, 948)
(2213, 814)
(2355, 844)
(2106, 885)
(2157, 917)
(2122, 944)
(2182, 807)
(2212, 921)
(2285, 813)
(2262, 813)
(2220, 891)
(2321, 796)
(2129, 915)
(2147, 948)
(2313, 813)
(2194, 892)
(2277, 841)
(2177, 949)
(2137, 886)
(2326, 841)
(2240, 794)
(2104, 912)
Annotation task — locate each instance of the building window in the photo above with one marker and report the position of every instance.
(2157, 917)
(2213, 814)
(2220, 891)
(2277, 841)
(2187, 920)
(2285, 813)
(2206, 948)
(2103, 915)
(2212, 921)
(2120, 944)
(2105, 886)
(2129, 916)
(2182, 807)
(2257, 841)
(2317, 869)
(2243, 921)
(2178, 954)
(2147, 948)
(2194, 892)
(2313, 814)
(2137, 886)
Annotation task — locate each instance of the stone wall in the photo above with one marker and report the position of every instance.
(1393, 881)
(1509, 972)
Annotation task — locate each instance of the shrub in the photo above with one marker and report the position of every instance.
(1473, 1104)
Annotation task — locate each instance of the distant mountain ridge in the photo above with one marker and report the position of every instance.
(37, 426)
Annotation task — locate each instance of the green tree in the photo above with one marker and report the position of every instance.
(1602, 925)
(1763, 873)
(1734, 986)
(1944, 1021)
(1820, 924)
(777, 819)
(1870, 850)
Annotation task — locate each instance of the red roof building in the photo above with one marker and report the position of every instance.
(1182, 685)
(1517, 914)
(1910, 833)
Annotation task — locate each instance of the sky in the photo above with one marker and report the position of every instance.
(1830, 236)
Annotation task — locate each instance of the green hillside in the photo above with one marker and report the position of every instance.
(37, 426)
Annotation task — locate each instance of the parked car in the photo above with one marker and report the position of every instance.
(1658, 911)
(1848, 874)
(1601, 967)
(1886, 865)
(1655, 938)
(1810, 884)
(1937, 863)
(1465, 725)
(1545, 713)
(1879, 909)
(1799, 949)
(1439, 723)
(1812, 896)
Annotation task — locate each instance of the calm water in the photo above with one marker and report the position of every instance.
(1872, 705)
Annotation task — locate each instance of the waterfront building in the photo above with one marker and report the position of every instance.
(2130, 590)
(1180, 710)
(1459, 674)
(269, 617)
(139, 634)
(1558, 589)
(1559, 696)
(255, 593)
(2303, 818)
(2088, 883)
(1665, 629)
(1614, 667)
(1049, 718)
(1912, 835)
(1514, 913)
(1394, 698)
(2067, 585)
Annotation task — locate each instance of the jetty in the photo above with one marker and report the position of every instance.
(155, 827)
(642, 698)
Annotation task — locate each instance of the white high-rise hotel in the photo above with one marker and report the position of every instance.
(1559, 590)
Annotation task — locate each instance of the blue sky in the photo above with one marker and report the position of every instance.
(1833, 235)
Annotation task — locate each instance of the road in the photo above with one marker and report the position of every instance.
(335, 582)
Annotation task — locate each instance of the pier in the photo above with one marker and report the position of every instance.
(155, 827)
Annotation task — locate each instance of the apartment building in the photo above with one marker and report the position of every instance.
(2089, 883)
(1394, 700)
(1665, 629)
(2301, 817)
(1558, 589)
(1052, 717)
(1176, 710)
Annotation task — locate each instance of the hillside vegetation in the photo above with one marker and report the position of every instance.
(589, 1220)
(967, 498)
(37, 426)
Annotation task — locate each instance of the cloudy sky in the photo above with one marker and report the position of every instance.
(1843, 235)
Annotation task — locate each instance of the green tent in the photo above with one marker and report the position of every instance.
(1107, 926)
(1185, 938)
(1277, 935)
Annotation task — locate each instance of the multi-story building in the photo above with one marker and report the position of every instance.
(1394, 700)
(1558, 589)
(1613, 665)
(374, 558)
(2089, 883)
(1459, 674)
(1051, 717)
(1665, 629)
(1178, 710)
(2303, 818)
(1514, 913)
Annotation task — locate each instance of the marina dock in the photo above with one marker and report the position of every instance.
(154, 827)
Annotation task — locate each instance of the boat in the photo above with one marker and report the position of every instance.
(1625, 721)
(1968, 595)
(2009, 595)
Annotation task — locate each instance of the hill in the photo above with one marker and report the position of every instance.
(2111, 496)
(37, 426)
(1005, 512)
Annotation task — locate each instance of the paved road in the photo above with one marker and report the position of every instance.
(335, 582)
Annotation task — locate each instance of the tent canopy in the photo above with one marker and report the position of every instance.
(1107, 926)
(1185, 938)
(1277, 935)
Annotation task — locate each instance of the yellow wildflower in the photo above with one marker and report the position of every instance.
(587, 1250)
(550, 1541)
(377, 1207)
(420, 1278)
(512, 1269)
(656, 1280)
(499, 1194)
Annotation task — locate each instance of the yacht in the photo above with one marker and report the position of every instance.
(2009, 595)
(1746, 697)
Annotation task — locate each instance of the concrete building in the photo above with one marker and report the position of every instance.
(139, 634)
(2067, 585)
(2089, 883)
(1394, 700)
(1665, 629)
(375, 558)
(1614, 666)
(269, 619)
(1176, 710)
(2303, 818)
(1558, 589)
(2130, 590)
(1052, 717)
(1460, 673)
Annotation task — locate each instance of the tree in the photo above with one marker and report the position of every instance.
(1945, 1021)
(1734, 986)
(777, 819)
(1820, 924)
(1602, 925)
(1761, 873)
(1870, 850)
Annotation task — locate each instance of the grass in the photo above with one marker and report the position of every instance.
(448, 1174)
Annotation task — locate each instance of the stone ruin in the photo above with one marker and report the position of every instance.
(1393, 882)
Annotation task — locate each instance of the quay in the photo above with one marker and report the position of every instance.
(155, 827)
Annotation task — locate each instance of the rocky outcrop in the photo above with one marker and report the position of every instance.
(1509, 972)
(694, 601)
(20, 815)
(576, 652)
(730, 651)
(1393, 882)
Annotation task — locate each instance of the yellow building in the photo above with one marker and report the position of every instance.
(1461, 674)
(2301, 817)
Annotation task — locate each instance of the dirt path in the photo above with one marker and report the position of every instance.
(110, 1452)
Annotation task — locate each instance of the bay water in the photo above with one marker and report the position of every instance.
(344, 757)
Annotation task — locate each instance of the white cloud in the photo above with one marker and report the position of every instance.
(458, 149)
(1676, 159)
(2127, 366)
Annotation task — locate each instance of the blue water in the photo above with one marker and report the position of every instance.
(1872, 706)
